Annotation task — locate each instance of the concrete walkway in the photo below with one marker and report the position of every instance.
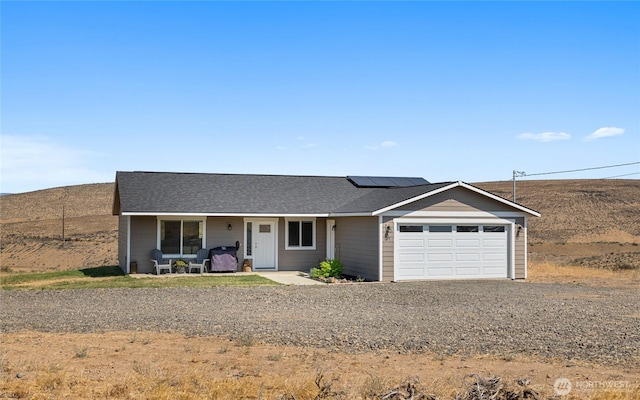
(282, 277)
(289, 278)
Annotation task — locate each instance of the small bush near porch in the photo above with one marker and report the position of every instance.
(329, 268)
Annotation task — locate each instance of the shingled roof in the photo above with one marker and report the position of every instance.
(230, 194)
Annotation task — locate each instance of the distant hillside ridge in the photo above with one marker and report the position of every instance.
(578, 211)
(572, 210)
(77, 200)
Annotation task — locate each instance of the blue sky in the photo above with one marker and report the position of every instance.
(443, 90)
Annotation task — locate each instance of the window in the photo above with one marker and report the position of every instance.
(439, 228)
(496, 228)
(467, 228)
(410, 228)
(301, 234)
(182, 237)
(264, 228)
(249, 239)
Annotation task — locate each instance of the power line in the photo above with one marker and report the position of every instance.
(619, 176)
(518, 174)
(581, 169)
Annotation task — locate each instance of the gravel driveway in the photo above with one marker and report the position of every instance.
(571, 322)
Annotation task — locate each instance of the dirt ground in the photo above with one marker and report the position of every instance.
(100, 362)
(104, 364)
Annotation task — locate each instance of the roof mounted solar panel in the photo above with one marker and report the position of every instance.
(385, 181)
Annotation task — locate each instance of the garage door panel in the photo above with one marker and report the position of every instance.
(431, 254)
(494, 257)
(467, 271)
(442, 243)
(497, 271)
(467, 256)
(497, 243)
(411, 257)
(415, 243)
(467, 243)
(438, 257)
(443, 271)
(417, 272)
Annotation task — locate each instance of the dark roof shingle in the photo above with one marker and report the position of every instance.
(165, 192)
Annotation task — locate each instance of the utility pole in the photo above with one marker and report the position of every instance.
(516, 174)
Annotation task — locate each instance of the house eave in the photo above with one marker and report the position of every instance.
(351, 214)
(255, 215)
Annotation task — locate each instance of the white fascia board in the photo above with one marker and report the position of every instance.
(454, 214)
(416, 198)
(354, 214)
(461, 220)
(160, 214)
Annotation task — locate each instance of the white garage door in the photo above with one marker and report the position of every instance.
(426, 251)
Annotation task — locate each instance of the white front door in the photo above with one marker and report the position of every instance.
(331, 239)
(264, 244)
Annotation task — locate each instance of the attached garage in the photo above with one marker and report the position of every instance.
(456, 231)
(451, 250)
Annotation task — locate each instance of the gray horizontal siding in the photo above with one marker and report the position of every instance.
(143, 240)
(122, 242)
(357, 246)
(302, 260)
(388, 255)
(456, 199)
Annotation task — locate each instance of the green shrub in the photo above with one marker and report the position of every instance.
(329, 268)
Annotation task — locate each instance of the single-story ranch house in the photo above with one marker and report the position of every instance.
(380, 228)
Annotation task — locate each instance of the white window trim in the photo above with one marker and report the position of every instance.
(286, 233)
(181, 219)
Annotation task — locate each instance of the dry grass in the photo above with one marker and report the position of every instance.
(121, 365)
(549, 272)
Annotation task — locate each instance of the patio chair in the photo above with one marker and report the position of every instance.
(201, 261)
(156, 259)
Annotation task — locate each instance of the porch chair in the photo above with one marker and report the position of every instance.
(156, 259)
(201, 261)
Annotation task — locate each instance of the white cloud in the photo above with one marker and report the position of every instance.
(310, 145)
(545, 136)
(604, 132)
(37, 162)
(386, 143)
